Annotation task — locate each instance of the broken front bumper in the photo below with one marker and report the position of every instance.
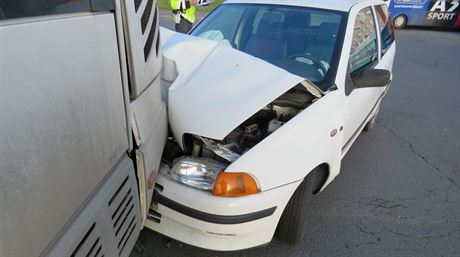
(217, 223)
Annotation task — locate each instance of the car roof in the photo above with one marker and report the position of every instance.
(339, 5)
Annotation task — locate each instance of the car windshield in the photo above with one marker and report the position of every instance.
(303, 41)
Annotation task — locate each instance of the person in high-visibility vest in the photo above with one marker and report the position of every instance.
(184, 13)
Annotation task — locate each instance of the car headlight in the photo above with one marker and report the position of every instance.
(200, 173)
(207, 174)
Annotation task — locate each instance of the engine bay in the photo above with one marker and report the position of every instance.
(248, 134)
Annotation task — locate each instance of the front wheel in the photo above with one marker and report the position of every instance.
(371, 123)
(292, 226)
(400, 21)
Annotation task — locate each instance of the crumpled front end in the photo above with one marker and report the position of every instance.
(222, 104)
(217, 87)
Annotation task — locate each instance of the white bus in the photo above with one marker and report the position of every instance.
(82, 125)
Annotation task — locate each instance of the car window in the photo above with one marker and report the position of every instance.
(386, 28)
(364, 42)
(302, 41)
(220, 30)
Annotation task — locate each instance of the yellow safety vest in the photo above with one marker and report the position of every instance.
(187, 13)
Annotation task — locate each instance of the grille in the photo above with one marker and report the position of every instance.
(137, 3)
(123, 216)
(154, 216)
(157, 44)
(151, 36)
(146, 15)
(142, 30)
(90, 245)
(110, 222)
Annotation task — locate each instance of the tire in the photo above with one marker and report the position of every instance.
(292, 226)
(400, 22)
(371, 123)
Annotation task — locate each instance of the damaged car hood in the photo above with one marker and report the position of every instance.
(216, 88)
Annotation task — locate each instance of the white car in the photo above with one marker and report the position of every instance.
(262, 114)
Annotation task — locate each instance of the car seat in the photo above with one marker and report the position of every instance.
(323, 47)
(267, 42)
(297, 32)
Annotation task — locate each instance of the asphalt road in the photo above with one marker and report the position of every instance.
(398, 193)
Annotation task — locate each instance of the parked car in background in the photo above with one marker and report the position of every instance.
(261, 115)
(430, 13)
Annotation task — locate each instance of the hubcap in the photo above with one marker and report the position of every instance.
(399, 21)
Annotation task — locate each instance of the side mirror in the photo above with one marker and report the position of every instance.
(371, 78)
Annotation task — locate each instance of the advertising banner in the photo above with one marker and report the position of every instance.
(442, 13)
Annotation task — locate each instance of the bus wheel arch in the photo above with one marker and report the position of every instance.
(400, 21)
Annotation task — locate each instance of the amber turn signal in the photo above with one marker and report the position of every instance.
(233, 184)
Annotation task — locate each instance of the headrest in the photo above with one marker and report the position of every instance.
(275, 17)
(328, 33)
(299, 19)
(271, 25)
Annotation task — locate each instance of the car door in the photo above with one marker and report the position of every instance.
(364, 55)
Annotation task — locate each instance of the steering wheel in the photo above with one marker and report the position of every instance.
(308, 56)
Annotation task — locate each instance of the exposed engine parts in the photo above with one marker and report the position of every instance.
(248, 134)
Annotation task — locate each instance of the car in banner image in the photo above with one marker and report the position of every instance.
(264, 99)
(430, 13)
